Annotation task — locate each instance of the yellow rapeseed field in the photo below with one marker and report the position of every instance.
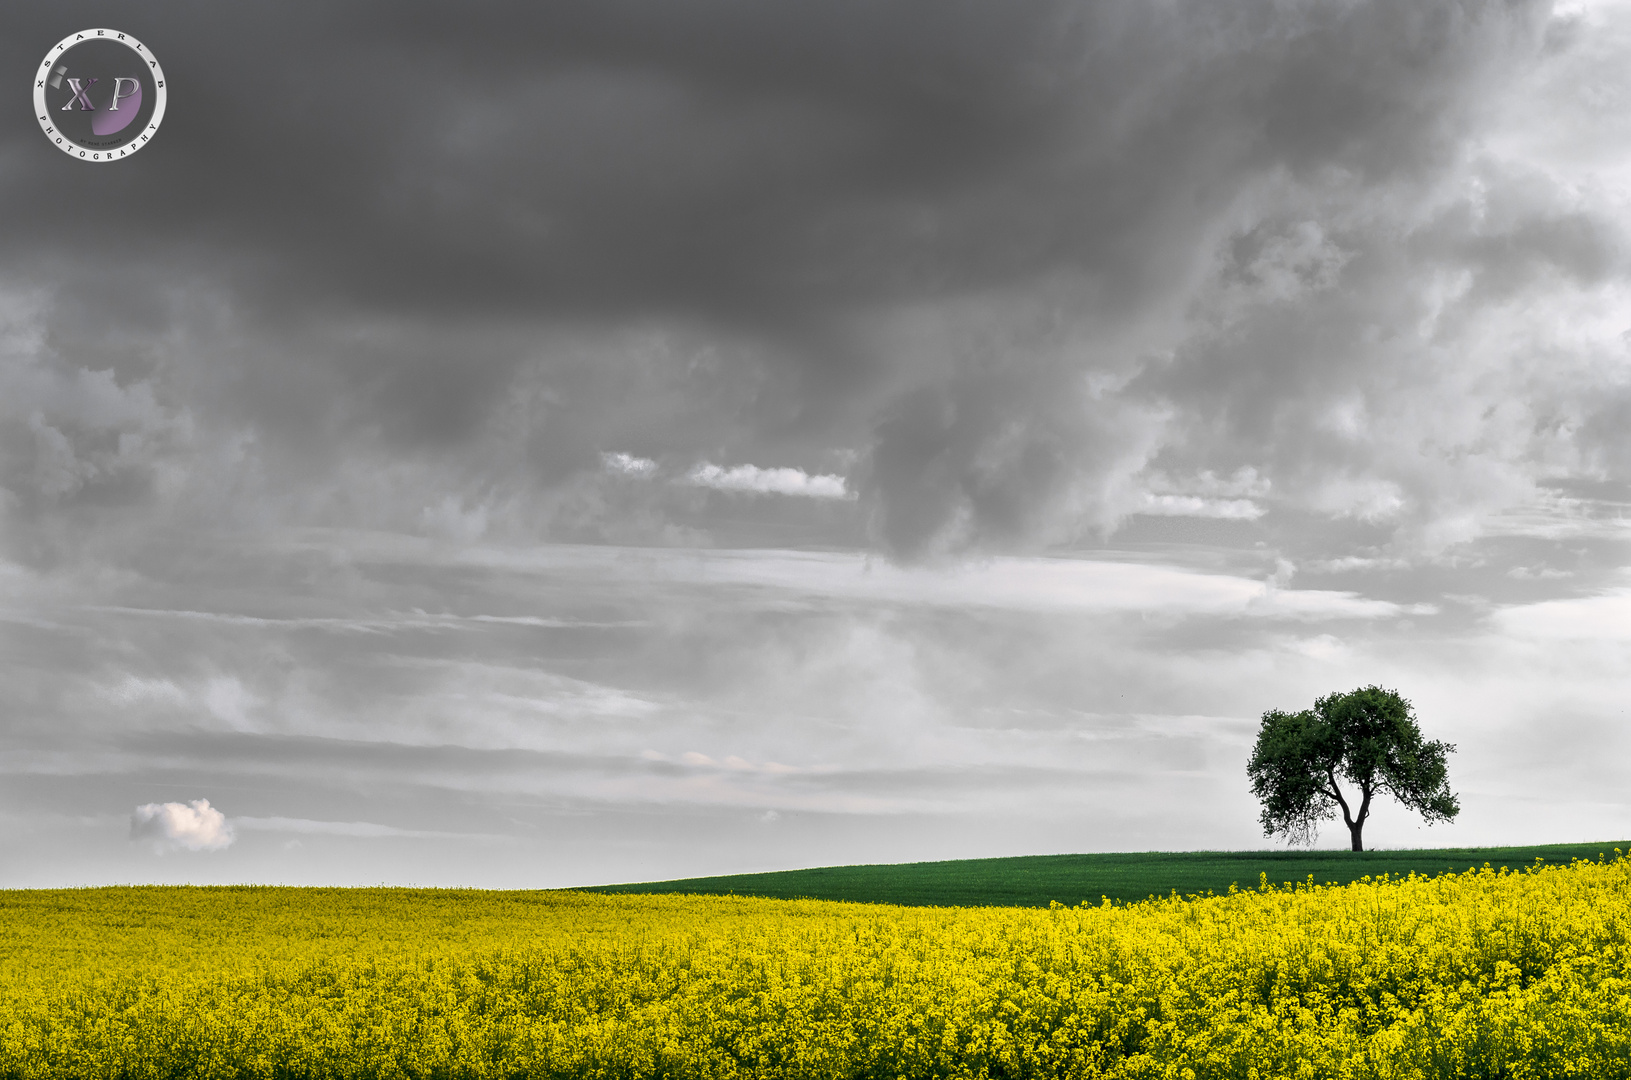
(1484, 974)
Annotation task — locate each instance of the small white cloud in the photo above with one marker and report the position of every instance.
(628, 464)
(754, 480)
(173, 826)
(1351, 563)
(770, 817)
(1196, 506)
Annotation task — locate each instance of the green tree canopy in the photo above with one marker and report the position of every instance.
(1368, 738)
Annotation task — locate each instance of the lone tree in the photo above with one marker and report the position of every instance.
(1369, 738)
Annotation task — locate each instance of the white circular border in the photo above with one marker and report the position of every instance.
(138, 141)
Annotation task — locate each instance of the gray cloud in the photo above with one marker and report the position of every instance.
(1035, 197)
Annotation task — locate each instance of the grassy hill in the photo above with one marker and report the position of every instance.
(1035, 880)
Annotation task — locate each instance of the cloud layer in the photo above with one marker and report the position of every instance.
(1012, 282)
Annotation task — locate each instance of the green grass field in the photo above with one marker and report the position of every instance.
(1035, 880)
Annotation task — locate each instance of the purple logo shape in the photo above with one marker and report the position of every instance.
(111, 105)
(120, 109)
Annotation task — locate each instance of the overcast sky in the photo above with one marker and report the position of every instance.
(545, 444)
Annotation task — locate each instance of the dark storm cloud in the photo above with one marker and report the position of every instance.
(581, 156)
(388, 200)
(734, 156)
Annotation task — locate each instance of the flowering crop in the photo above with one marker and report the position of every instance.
(1487, 973)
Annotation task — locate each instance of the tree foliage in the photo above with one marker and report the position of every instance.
(1366, 737)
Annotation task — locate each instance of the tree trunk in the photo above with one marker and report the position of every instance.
(1355, 825)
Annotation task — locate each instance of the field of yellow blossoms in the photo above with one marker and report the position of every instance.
(1489, 973)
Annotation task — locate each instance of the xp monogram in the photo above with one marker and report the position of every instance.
(99, 95)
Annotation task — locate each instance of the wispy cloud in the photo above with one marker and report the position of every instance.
(1015, 583)
(364, 829)
(1605, 618)
(383, 623)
